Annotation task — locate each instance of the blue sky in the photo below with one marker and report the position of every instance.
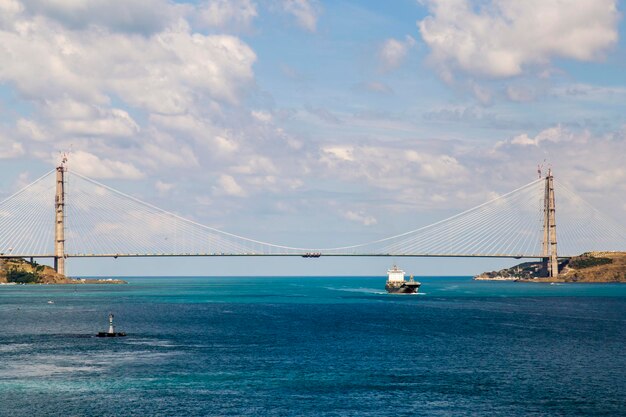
(314, 123)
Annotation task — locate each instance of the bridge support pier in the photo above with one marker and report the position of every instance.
(59, 230)
(549, 252)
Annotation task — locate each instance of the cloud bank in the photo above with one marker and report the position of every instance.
(504, 38)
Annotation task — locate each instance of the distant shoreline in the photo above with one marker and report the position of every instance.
(21, 271)
(590, 267)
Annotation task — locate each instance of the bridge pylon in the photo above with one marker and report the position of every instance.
(59, 210)
(549, 249)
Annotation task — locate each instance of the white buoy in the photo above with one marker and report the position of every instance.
(111, 332)
(111, 327)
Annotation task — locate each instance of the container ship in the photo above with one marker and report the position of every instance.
(396, 284)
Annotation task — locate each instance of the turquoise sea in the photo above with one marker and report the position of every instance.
(313, 346)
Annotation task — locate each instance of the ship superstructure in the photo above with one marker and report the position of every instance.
(397, 284)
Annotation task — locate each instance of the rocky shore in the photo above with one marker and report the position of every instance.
(588, 267)
(21, 271)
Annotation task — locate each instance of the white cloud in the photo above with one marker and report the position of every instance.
(163, 187)
(141, 16)
(483, 94)
(78, 119)
(523, 140)
(386, 166)
(31, 130)
(592, 163)
(360, 217)
(9, 9)
(250, 148)
(441, 167)
(501, 38)
(23, 179)
(458, 113)
(226, 14)
(590, 92)
(262, 116)
(256, 165)
(425, 175)
(92, 166)
(556, 134)
(337, 153)
(166, 72)
(520, 93)
(226, 145)
(306, 12)
(393, 52)
(179, 66)
(164, 150)
(10, 149)
(216, 141)
(129, 100)
(226, 184)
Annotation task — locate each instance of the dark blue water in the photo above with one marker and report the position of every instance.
(313, 347)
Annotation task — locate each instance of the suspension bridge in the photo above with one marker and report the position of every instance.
(64, 214)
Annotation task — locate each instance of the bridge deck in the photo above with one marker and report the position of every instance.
(304, 254)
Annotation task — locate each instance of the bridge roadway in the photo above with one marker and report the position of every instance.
(302, 255)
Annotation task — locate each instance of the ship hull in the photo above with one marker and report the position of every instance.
(404, 288)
